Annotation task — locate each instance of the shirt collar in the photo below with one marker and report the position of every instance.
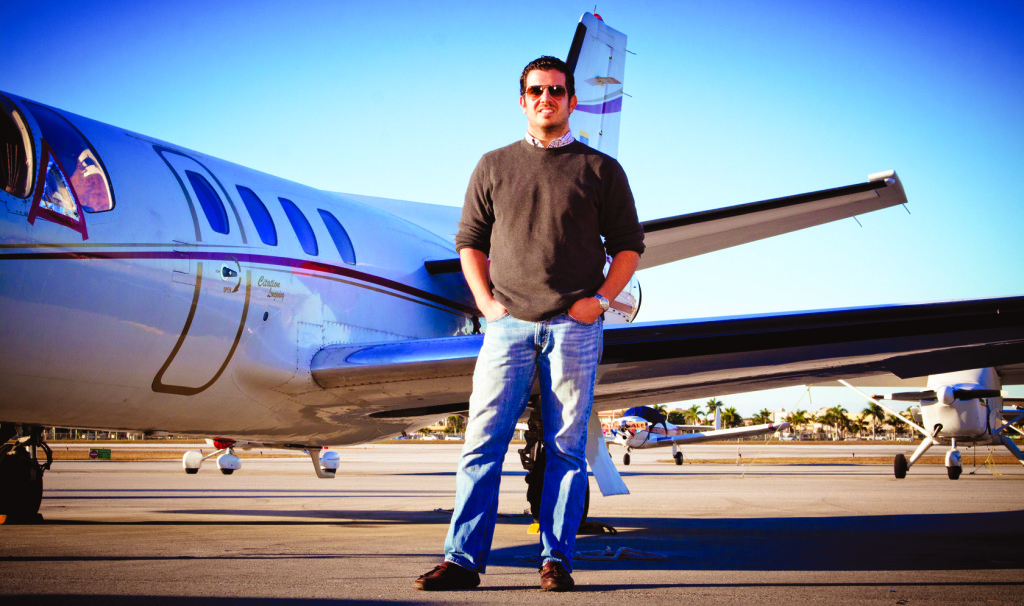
(562, 141)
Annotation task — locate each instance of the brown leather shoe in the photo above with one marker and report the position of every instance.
(447, 577)
(554, 577)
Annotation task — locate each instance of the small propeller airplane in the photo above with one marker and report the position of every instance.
(153, 288)
(643, 427)
(964, 408)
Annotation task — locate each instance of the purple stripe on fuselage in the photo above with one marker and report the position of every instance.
(256, 259)
(608, 107)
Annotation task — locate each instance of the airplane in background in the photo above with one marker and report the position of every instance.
(963, 408)
(643, 427)
(152, 288)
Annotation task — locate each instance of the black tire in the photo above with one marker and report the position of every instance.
(954, 472)
(535, 487)
(679, 458)
(625, 459)
(227, 472)
(191, 471)
(900, 467)
(21, 485)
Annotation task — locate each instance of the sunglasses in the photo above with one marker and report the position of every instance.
(556, 90)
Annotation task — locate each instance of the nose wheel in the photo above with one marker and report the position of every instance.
(954, 464)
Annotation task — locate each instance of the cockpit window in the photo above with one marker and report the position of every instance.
(15, 151)
(88, 178)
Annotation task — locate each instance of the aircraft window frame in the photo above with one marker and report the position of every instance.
(341, 240)
(301, 226)
(213, 206)
(76, 154)
(24, 151)
(259, 214)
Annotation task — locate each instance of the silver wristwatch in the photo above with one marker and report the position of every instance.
(602, 302)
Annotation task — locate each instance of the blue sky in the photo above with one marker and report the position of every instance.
(730, 102)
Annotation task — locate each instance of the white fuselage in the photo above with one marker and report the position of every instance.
(158, 321)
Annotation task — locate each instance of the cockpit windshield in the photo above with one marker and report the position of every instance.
(15, 151)
(88, 179)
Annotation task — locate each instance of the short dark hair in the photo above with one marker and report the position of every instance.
(546, 63)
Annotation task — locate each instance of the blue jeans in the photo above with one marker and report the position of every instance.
(565, 353)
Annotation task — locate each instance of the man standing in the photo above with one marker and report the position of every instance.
(539, 209)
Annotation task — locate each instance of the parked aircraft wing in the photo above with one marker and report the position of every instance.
(684, 236)
(638, 442)
(661, 362)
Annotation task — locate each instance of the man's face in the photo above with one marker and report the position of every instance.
(547, 114)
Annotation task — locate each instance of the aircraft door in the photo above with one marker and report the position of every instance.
(209, 281)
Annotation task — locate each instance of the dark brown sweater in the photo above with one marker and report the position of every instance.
(540, 214)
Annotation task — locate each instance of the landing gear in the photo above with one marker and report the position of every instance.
(625, 459)
(534, 460)
(954, 464)
(679, 458)
(21, 473)
(227, 461)
(325, 462)
(899, 466)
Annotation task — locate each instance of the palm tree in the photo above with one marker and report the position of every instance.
(836, 417)
(676, 417)
(730, 417)
(797, 418)
(455, 424)
(661, 409)
(693, 414)
(901, 420)
(875, 415)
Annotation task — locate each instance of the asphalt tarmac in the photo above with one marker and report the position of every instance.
(272, 533)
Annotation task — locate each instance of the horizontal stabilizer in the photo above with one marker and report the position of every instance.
(694, 234)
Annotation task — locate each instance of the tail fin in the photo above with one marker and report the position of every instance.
(598, 60)
(718, 418)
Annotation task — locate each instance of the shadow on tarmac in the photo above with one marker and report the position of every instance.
(160, 600)
(971, 541)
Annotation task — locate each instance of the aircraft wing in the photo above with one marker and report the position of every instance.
(674, 238)
(695, 427)
(684, 236)
(654, 363)
(643, 440)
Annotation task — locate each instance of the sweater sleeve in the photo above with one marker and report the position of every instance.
(477, 212)
(619, 223)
